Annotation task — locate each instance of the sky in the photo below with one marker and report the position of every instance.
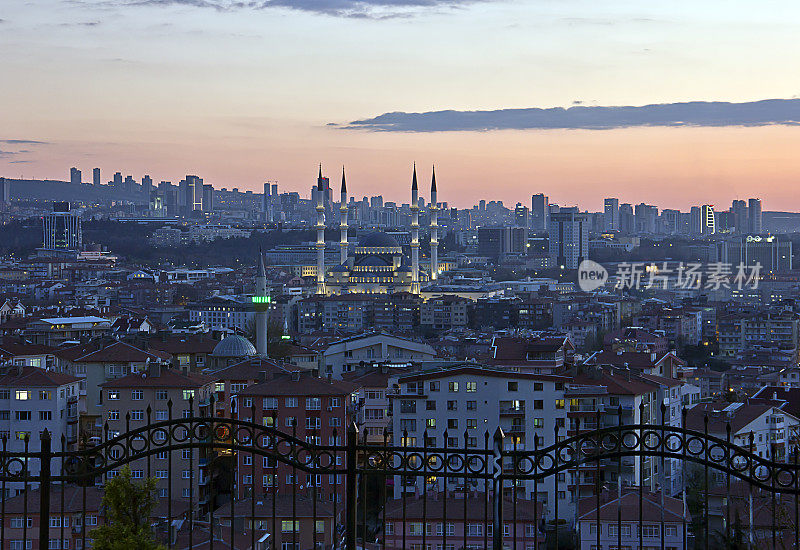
(507, 97)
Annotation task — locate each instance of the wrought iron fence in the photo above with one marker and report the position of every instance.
(378, 495)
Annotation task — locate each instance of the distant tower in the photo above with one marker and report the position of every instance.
(414, 234)
(434, 208)
(320, 233)
(343, 221)
(261, 303)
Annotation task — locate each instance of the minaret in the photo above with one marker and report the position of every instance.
(261, 303)
(320, 233)
(434, 209)
(414, 234)
(343, 222)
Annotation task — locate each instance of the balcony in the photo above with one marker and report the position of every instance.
(512, 411)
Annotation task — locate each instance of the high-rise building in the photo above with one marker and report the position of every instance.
(626, 219)
(740, 219)
(96, 176)
(695, 221)
(208, 197)
(194, 194)
(569, 238)
(611, 213)
(498, 242)
(75, 176)
(62, 229)
(147, 186)
(117, 179)
(670, 221)
(707, 220)
(645, 218)
(754, 211)
(540, 210)
(771, 253)
(5, 192)
(521, 217)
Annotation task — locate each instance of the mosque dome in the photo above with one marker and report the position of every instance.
(234, 346)
(378, 239)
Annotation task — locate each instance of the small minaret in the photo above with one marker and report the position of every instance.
(343, 222)
(320, 233)
(414, 234)
(434, 209)
(261, 304)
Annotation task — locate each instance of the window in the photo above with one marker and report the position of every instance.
(188, 394)
(270, 403)
(559, 403)
(23, 415)
(452, 423)
(334, 422)
(236, 387)
(23, 395)
(452, 405)
(186, 474)
(472, 387)
(291, 422)
(513, 386)
(160, 415)
(186, 454)
(430, 405)
(161, 455)
(650, 531)
(45, 395)
(45, 415)
(334, 402)
(290, 526)
(408, 424)
(430, 423)
(538, 422)
(538, 386)
(161, 474)
(472, 423)
(113, 395)
(453, 386)
(472, 405)
(19, 523)
(291, 402)
(137, 395)
(20, 545)
(137, 474)
(320, 525)
(5, 394)
(186, 492)
(408, 406)
(162, 395)
(613, 532)
(538, 404)
(671, 530)
(434, 386)
(137, 415)
(23, 436)
(313, 403)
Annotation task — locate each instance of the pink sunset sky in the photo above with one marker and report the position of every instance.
(242, 95)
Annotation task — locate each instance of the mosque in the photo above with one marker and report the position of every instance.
(377, 264)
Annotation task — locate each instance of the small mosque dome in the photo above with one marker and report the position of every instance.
(234, 346)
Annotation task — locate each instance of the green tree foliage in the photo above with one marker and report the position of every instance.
(129, 506)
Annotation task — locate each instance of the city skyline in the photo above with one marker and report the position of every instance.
(174, 87)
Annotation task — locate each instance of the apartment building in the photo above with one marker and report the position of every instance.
(231, 381)
(542, 355)
(444, 312)
(124, 402)
(475, 400)
(433, 518)
(656, 513)
(374, 408)
(317, 410)
(774, 328)
(349, 354)
(33, 400)
(774, 430)
(97, 362)
(54, 331)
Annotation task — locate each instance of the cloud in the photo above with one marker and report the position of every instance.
(22, 141)
(696, 113)
(366, 9)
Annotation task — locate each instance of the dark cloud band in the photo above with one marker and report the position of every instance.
(696, 113)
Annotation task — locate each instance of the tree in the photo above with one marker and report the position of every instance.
(129, 506)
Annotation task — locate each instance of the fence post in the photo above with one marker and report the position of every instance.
(497, 491)
(44, 490)
(351, 497)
